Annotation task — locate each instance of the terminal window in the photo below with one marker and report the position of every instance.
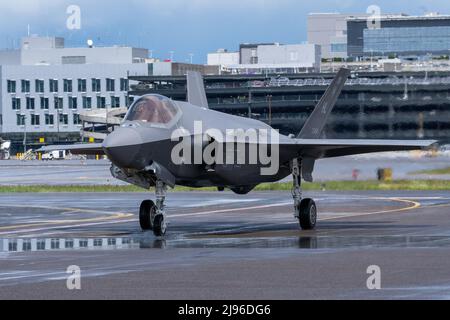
(39, 86)
(20, 120)
(67, 85)
(101, 102)
(124, 84)
(30, 103)
(73, 103)
(11, 86)
(49, 119)
(53, 83)
(82, 85)
(16, 103)
(64, 119)
(35, 120)
(59, 103)
(76, 119)
(87, 102)
(115, 102)
(44, 103)
(25, 86)
(96, 85)
(110, 85)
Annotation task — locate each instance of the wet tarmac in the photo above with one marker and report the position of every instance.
(224, 246)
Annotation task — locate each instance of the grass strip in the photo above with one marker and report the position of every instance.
(407, 185)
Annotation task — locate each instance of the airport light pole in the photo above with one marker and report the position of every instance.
(24, 117)
(250, 98)
(57, 125)
(270, 109)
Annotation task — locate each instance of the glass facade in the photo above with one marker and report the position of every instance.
(338, 47)
(407, 40)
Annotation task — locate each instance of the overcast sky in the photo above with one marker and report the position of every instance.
(184, 26)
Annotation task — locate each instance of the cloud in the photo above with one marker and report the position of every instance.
(186, 26)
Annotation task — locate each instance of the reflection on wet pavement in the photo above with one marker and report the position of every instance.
(98, 244)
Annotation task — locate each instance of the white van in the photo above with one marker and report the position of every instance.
(54, 155)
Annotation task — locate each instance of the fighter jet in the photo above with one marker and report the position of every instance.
(163, 143)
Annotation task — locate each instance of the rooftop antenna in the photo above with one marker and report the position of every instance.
(29, 30)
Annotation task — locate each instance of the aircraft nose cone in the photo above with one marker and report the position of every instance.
(123, 146)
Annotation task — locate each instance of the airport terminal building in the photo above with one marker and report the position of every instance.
(263, 58)
(399, 35)
(384, 105)
(45, 86)
(355, 36)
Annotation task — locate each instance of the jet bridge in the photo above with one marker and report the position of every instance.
(97, 124)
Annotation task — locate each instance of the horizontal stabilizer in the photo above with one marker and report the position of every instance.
(329, 148)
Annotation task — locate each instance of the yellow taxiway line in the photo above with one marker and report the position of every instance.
(112, 216)
(120, 215)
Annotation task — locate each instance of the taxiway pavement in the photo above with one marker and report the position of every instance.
(224, 246)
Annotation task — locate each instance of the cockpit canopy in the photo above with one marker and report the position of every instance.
(153, 109)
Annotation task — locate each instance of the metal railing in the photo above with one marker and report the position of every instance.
(284, 82)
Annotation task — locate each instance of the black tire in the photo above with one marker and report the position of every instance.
(308, 214)
(159, 226)
(146, 213)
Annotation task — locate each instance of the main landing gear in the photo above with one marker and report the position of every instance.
(151, 215)
(305, 209)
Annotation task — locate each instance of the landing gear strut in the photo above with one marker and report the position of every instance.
(151, 215)
(305, 209)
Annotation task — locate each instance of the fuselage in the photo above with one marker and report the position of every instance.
(137, 144)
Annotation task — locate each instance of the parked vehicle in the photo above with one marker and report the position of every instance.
(54, 155)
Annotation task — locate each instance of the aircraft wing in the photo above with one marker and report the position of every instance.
(82, 149)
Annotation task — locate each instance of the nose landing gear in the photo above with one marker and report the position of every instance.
(151, 215)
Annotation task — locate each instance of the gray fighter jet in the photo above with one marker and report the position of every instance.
(142, 150)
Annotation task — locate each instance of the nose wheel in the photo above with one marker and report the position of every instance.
(152, 215)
